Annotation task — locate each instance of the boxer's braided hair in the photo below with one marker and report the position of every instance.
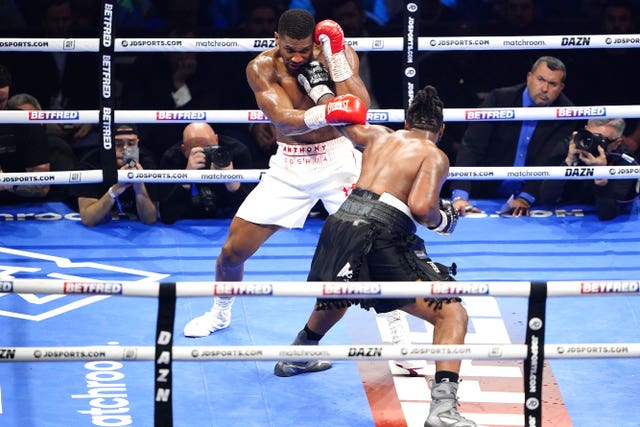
(425, 110)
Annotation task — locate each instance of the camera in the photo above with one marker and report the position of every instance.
(205, 198)
(219, 156)
(588, 141)
(131, 155)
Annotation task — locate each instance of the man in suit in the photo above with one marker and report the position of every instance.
(514, 143)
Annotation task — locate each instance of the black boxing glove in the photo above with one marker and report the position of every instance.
(315, 79)
(449, 218)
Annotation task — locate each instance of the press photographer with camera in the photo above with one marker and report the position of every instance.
(23, 148)
(599, 143)
(203, 148)
(98, 203)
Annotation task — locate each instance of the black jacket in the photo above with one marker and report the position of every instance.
(494, 143)
(202, 200)
(609, 200)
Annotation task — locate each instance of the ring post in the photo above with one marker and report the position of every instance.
(534, 363)
(163, 414)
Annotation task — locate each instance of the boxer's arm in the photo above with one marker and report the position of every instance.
(276, 104)
(361, 135)
(339, 110)
(354, 84)
(272, 99)
(342, 60)
(424, 198)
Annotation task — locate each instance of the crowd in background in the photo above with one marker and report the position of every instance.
(211, 81)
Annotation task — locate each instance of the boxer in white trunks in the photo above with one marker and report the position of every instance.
(295, 85)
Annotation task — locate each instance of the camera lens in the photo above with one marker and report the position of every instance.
(587, 141)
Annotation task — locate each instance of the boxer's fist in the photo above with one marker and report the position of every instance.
(340, 110)
(314, 79)
(331, 32)
(346, 109)
(448, 218)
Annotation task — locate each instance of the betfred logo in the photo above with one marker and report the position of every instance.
(581, 112)
(377, 116)
(181, 115)
(612, 287)
(243, 289)
(456, 288)
(54, 115)
(256, 116)
(92, 288)
(489, 114)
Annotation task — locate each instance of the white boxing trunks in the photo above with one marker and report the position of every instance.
(299, 176)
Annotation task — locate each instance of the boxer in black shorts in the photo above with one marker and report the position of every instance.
(372, 238)
(369, 239)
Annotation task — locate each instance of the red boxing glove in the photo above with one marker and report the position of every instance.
(330, 35)
(340, 110)
(332, 31)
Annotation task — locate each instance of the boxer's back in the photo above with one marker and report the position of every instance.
(393, 162)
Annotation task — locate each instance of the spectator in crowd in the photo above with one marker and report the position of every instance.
(23, 148)
(61, 156)
(171, 81)
(459, 86)
(598, 144)
(11, 18)
(521, 18)
(434, 18)
(5, 86)
(604, 74)
(352, 17)
(133, 16)
(526, 143)
(60, 80)
(203, 148)
(98, 203)
(376, 10)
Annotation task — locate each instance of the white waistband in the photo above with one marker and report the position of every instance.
(392, 200)
(319, 148)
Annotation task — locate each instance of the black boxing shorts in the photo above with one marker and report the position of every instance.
(370, 240)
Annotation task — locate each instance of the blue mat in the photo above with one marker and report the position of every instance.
(48, 241)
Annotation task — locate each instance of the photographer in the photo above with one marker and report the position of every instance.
(98, 203)
(598, 144)
(202, 148)
(23, 148)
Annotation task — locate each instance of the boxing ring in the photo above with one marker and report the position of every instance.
(110, 302)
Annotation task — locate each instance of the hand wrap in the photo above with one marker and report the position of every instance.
(340, 110)
(315, 79)
(329, 34)
(448, 220)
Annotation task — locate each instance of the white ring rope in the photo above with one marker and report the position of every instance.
(373, 116)
(160, 176)
(455, 173)
(51, 178)
(563, 288)
(362, 44)
(333, 352)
